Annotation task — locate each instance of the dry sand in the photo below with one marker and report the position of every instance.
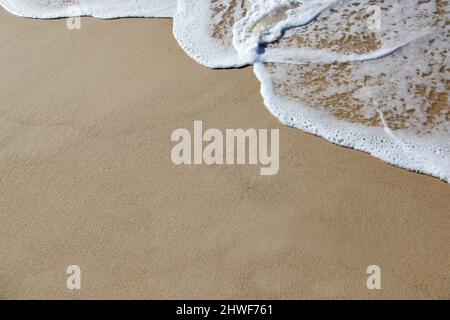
(86, 179)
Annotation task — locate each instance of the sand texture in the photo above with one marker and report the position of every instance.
(86, 178)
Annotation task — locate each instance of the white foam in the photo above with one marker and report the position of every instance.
(265, 22)
(104, 9)
(308, 55)
(322, 67)
(192, 28)
(429, 155)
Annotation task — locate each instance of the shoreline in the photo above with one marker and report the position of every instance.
(402, 149)
(86, 179)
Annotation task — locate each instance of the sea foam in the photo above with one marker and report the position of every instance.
(373, 75)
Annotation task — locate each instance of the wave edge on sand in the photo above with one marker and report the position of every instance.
(322, 68)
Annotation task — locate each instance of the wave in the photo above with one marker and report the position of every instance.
(373, 75)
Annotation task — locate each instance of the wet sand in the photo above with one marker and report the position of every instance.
(86, 179)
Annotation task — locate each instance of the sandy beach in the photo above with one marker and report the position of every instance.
(86, 179)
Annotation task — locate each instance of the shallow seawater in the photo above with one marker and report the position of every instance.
(373, 75)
